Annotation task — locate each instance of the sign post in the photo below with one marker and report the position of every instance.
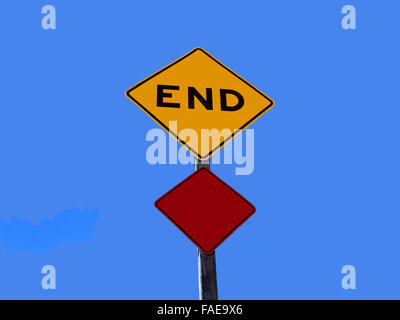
(197, 94)
(208, 289)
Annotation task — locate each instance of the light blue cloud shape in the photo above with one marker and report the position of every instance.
(67, 227)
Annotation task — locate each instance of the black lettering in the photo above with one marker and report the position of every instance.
(192, 92)
(224, 106)
(161, 95)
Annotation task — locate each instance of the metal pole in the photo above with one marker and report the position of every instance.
(206, 262)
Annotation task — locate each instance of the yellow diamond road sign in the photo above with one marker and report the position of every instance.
(200, 102)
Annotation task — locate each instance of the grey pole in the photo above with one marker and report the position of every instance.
(206, 262)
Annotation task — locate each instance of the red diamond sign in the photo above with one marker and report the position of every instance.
(205, 209)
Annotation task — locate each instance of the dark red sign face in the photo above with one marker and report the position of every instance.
(205, 209)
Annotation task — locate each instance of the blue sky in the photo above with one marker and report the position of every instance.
(326, 175)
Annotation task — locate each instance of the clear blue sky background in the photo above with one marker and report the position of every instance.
(326, 178)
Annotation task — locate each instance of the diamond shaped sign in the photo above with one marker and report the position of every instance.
(205, 209)
(200, 102)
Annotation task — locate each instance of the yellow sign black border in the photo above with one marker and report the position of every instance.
(175, 135)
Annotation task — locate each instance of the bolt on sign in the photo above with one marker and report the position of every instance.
(198, 92)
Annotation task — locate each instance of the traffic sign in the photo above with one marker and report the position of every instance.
(198, 92)
(205, 209)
